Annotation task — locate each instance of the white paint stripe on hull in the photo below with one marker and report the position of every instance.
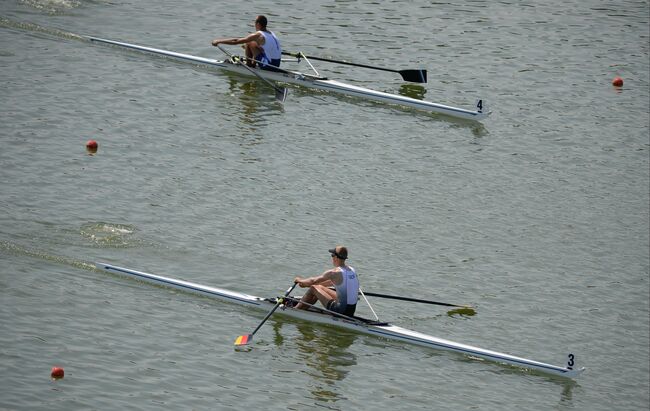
(385, 330)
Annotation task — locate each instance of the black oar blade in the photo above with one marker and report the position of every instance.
(414, 76)
(281, 94)
(244, 339)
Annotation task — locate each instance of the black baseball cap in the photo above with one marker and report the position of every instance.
(340, 252)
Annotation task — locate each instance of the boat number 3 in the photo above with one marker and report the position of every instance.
(479, 106)
(571, 362)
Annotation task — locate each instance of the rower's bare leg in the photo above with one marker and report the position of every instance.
(252, 50)
(317, 292)
(309, 298)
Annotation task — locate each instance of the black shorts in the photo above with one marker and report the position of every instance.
(267, 63)
(347, 309)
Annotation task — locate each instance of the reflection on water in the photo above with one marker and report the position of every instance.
(412, 90)
(566, 397)
(257, 99)
(325, 351)
(278, 338)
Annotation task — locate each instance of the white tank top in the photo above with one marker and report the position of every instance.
(348, 291)
(271, 46)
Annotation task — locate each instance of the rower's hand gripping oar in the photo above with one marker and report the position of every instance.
(247, 338)
(280, 92)
(415, 76)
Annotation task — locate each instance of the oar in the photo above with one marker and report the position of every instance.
(415, 300)
(247, 338)
(280, 92)
(415, 76)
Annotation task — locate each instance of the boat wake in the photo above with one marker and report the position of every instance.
(19, 250)
(53, 6)
(35, 28)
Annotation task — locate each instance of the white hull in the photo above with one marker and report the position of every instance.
(363, 326)
(314, 82)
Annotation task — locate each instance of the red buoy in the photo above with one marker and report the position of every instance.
(57, 373)
(91, 146)
(617, 82)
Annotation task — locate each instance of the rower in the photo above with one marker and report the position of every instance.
(261, 47)
(343, 299)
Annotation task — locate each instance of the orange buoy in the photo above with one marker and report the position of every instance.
(617, 82)
(91, 146)
(57, 373)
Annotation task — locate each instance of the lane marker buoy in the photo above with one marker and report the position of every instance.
(57, 373)
(91, 146)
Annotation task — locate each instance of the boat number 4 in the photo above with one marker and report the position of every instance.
(479, 106)
(571, 361)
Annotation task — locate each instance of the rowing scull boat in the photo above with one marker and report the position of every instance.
(358, 324)
(312, 81)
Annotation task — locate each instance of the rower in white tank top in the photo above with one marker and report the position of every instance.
(343, 299)
(272, 51)
(347, 293)
(261, 46)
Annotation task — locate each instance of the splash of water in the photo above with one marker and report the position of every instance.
(109, 234)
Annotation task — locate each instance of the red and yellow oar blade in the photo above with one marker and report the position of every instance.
(247, 338)
(244, 339)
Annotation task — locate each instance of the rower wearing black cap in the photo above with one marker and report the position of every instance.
(343, 299)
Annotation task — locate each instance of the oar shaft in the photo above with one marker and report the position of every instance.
(274, 308)
(416, 76)
(415, 300)
(287, 53)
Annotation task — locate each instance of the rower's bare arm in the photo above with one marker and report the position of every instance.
(239, 40)
(325, 279)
